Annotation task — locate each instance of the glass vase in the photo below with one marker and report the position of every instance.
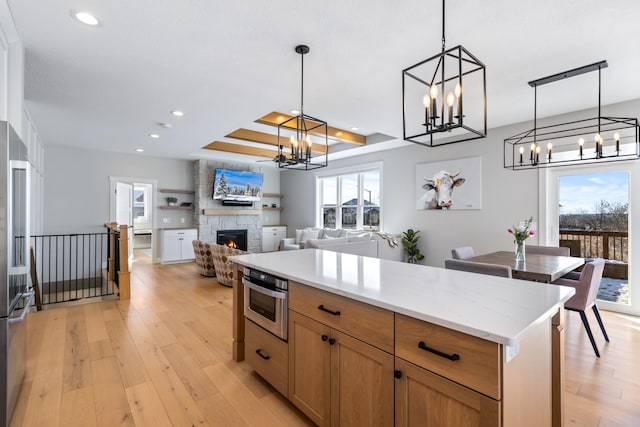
(520, 251)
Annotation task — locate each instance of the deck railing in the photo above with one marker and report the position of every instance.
(613, 246)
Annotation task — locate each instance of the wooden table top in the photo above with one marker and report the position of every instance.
(539, 267)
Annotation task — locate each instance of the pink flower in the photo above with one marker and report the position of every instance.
(510, 230)
(532, 232)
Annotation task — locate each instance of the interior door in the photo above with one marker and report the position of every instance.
(124, 209)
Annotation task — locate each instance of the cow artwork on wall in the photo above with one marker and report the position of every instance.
(450, 184)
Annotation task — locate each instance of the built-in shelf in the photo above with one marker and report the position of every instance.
(176, 207)
(272, 195)
(179, 206)
(271, 209)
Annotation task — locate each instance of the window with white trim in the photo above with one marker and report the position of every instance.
(350, 200)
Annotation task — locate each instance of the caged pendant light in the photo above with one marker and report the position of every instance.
(433, 92)
(308, 137)
(591, 140)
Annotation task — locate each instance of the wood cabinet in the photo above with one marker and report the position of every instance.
(177, 245)
(268, 355)
(336, 379)
(354, 364)
(426, 399)
(271, 237)
(448, 378)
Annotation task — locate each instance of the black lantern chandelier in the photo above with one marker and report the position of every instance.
(433, 91)
(592, 140)
(308, 143)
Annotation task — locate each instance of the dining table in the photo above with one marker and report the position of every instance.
(537, 267)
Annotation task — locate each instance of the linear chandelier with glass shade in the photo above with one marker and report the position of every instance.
(592, 140)
(307, 145)
(433, 91)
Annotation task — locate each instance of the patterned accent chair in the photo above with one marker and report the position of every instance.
(224, 267)
(204, 258)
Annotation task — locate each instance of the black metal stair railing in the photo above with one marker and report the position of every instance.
(72, 266)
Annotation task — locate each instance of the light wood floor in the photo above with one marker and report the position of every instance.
(164, 358)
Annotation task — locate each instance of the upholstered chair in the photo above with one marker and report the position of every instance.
(204, 258)
(478, 267)
(462, 252)
(586, 284)
(224, 267)
(548, 250)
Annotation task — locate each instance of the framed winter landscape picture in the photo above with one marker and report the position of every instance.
(450, 184)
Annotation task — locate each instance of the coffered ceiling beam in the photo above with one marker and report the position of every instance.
(336, 134)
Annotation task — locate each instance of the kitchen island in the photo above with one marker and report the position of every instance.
(406, 339)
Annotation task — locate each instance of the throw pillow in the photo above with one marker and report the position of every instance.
(358, 237)
(309, 234)
(332, 232)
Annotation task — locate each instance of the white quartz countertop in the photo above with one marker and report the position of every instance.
(494, 308)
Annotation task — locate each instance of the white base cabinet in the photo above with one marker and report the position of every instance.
(177, 245)
(271, 237)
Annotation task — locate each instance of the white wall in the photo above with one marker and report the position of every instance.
(76, 185)
(507, 196)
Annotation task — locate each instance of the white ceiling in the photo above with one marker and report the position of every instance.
(227, 62)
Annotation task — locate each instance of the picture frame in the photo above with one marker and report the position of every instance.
(450, 184)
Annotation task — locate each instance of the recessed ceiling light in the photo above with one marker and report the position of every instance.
(295, 112)
(354, 128)
(165, 125)
(154, 135)
(86, 18)
(139, 150)
(177, 113)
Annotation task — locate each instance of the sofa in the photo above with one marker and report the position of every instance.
(356, 242)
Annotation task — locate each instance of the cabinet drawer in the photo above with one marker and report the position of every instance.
(371, 324)
(273, 365)
(190, 233)
(479, 366)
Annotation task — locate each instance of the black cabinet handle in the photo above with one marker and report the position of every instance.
(335, 313)
(259, 353)
(324, 338)
(453, 357)
(397, 374)
(332, 341)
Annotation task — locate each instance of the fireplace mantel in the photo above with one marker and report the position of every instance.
(231, 212)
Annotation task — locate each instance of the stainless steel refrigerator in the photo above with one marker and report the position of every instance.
(15, 295)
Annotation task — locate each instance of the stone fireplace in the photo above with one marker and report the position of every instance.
(211, 215)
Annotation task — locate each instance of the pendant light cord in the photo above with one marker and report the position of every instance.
(301, 83)
(443, 39)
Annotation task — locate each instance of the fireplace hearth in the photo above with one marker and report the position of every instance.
(233, 238)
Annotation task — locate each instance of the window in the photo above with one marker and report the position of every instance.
(142, 206)
(350, 200)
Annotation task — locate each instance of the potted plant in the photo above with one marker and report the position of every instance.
(410, 242)
(172, 201)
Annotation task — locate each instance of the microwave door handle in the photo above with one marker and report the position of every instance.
(29, 296)
(269, 292)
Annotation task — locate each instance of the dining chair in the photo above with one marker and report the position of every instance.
(548, 250)
(462, 252)
(478, 267)
(586, 285)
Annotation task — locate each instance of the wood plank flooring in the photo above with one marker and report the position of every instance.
(164, 359)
